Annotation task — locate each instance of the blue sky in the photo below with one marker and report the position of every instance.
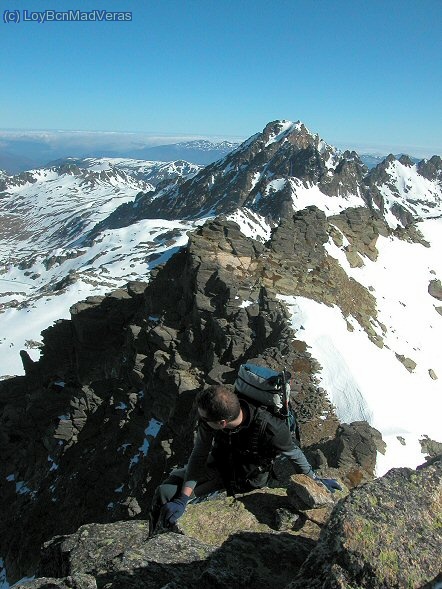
(357, 72)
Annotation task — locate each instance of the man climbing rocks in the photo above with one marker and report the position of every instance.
(235, 447)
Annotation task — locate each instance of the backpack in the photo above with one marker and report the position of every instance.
(265, 387)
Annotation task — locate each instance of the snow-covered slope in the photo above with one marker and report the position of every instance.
(47, 208)
(33, 298)
(396, 388)
(152, 172)
(44, 266)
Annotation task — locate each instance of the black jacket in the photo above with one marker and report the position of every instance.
(244, 455)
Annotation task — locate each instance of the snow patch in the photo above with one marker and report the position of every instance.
(285, 128)
(251, 224)
(306, 195)
(152, 430)
(246, 304)
(366, 382)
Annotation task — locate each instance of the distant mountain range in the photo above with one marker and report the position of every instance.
(153, 172)
(201, 152)
(19, 153)
(371, 161)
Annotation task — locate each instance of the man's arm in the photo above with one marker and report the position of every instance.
(284, 443)
(195, 469)
(299, 461)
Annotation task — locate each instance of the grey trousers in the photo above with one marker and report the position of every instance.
(209, 483)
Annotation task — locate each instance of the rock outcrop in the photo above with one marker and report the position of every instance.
(386, 533)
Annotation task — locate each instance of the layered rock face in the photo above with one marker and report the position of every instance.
(91, 429)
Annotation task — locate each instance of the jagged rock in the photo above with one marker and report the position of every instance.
(305, 493)
(213, 522)
(347, 177)
(409, 364)
(432, 374)
(430, 447)
(432, 168)
(248, 560)
(435, 289)
(350, 455)
(386, 533)
(77, 581)
(319, 515)
(354, 259)
(362, 228)
(120, 555)
(162, 337)
(285, 519)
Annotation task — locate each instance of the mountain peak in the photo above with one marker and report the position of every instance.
(282, 130)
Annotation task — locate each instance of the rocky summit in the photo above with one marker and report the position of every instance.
(286, 167)
(91, 428)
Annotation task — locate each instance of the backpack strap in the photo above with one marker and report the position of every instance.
(260, 423)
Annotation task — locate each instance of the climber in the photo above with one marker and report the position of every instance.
(235, 447)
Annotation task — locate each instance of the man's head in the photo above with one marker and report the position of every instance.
(218, 406)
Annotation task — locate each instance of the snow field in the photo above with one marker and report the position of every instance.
(367, 382)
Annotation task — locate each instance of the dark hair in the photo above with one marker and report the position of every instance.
(218, 402)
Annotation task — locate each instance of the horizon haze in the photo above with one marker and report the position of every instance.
(205, 69)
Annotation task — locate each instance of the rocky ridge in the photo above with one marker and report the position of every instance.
(117, 381)
(87, 434)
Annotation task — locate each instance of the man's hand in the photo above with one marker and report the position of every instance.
(173, 510)
(330, 484)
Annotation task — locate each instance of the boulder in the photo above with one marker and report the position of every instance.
(306, 493)
(435, 289)
(350, 454)
(386, 533)
(120, 555)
